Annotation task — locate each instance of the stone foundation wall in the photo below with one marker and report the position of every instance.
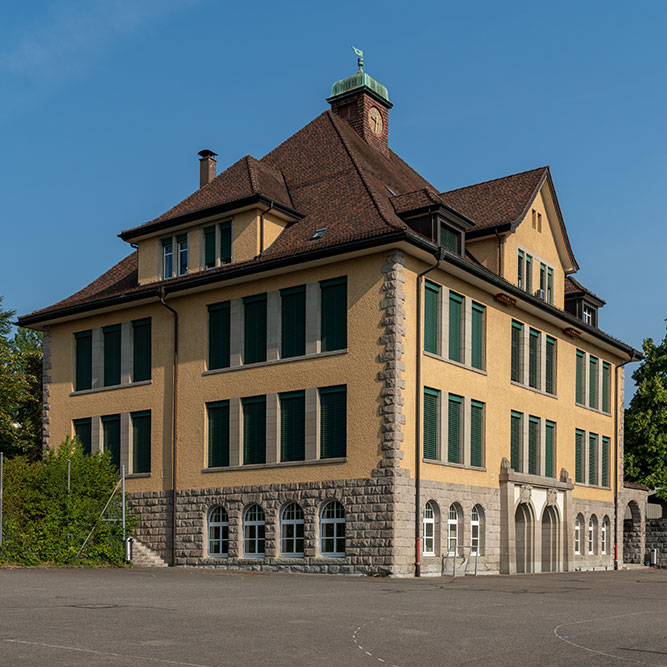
(153, 513)
(656, 538)
(597, 560)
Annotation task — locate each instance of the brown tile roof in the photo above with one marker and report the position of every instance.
(413, 200)
(574, 287)
(635, 485)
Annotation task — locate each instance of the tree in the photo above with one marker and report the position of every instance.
(646, 421)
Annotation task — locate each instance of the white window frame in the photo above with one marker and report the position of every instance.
(605, 535)
(166, 254)
(292, 518)
(577, 536)
(254, 532)
(587, 315)
(183, 249)
(429, 529)
(336, 521)
(453, 529)
(218, 519)
(475, 526)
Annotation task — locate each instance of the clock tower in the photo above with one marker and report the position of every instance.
(364, 103)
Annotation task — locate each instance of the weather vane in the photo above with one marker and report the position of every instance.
(360, 58)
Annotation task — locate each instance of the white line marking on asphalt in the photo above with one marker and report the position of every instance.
(354, 639)
(112, 655)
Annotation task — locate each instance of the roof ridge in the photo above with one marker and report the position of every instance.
(495, 180)
(253, 181)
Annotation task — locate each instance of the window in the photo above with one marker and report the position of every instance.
(592, 534)
(293, 426)
(455, 327)
(577, 533)
(218, 245)
(454, 428)
(477, 335)
(529, 274)
(218, 335)
(254, 430)
(141, 349)
(453, 529)
(431, 422)
(579, 397)
(593, 383)
(429, 529)
(218, 533)
(606, 383)
(167, 258)
(431, 318)
(579, 456)
(254, 329)
(543, 278)
(550, 374)
(83, 342)
(593, 388)
(254, 532)
(604, 460)
(475, 541)
(291, 531)
(550, 285)
(293, 322)
(605, 535)
(218, 434)
(549, 443)
(533, 445)
(533, 359)
(592, 458)
(182, 240)
(332, 529)
(516, 438)
(450, 239)
(141, 441)
(520, 269)
(476, 433)
(112, 344)
(333, 318)
(333, 422)
(517, 351)
(111, 436)
(83, 433)
(587, 315)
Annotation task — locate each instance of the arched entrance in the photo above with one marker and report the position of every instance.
(632, 533)
(550, 534)
(523, 530)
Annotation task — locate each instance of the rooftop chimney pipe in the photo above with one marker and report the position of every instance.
(207, 167)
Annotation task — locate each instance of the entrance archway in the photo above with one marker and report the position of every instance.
(550, 534)
(632, 533)
(523, 530)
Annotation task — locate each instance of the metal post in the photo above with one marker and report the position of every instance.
(69, 486)
(122, 474)
(2, 463)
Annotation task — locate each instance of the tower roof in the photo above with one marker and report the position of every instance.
(359, 82)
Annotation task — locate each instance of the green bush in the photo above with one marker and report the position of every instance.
(43, 523)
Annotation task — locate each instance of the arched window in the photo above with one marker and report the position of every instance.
(253, 532)
(593, 534)
(477, 530)
(429, 529)
(577, 534)
(332, 529)
(453, 528)
(218, 532)
(605, 535)
(291, 531)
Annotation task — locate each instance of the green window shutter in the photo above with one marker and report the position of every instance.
(83, 433)
(533, 358)
(517, 348)
(580, 378)
(519, 273)
(254, 328)
(543, 277)
(209, 247)
(449, 239)
(226, 242)
(533, 444)
(218, 434)
(431, 319)
(605, 462)
(293, 322)
(592, 458)
(593, 383)
(293, 426)
(254, 430)
(550, 285)
(550, 382)
(218, 335)
(112, 336)
(141, 441)
(549, 461)
(476, 432)
(84, 360)
(529, 274)
(477, 335)
(454, 428)
(606, 382)
(516, 436)
(579, 456)
(333, 316)
(455, 325)
(333, 422)
(111, 435)
(431, 403)
(141, 344)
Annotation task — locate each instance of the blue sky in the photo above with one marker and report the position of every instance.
(104, 106)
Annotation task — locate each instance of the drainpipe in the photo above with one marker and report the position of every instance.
(261, 227)
(616, 461)
(173, 427)
(418, 395)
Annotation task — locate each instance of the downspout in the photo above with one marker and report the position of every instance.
(616, 457)
(174, 405)
(261, 228)
(501, 243)
(418, 417)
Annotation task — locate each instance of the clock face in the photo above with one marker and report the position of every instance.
(375, 121)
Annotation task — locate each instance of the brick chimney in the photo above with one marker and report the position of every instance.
(207, 167)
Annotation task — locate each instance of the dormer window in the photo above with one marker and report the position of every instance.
(588, 315)
(180, 267)
(167, 258)
(450, 238)
(182, 254)
(218, 245)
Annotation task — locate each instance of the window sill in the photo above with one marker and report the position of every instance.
(455, 363)
(97, 390)
(273, 362)
(455, 465)
(533, 389)
(277, 464)
(138, 475)
(586, 407)
(593, 486)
